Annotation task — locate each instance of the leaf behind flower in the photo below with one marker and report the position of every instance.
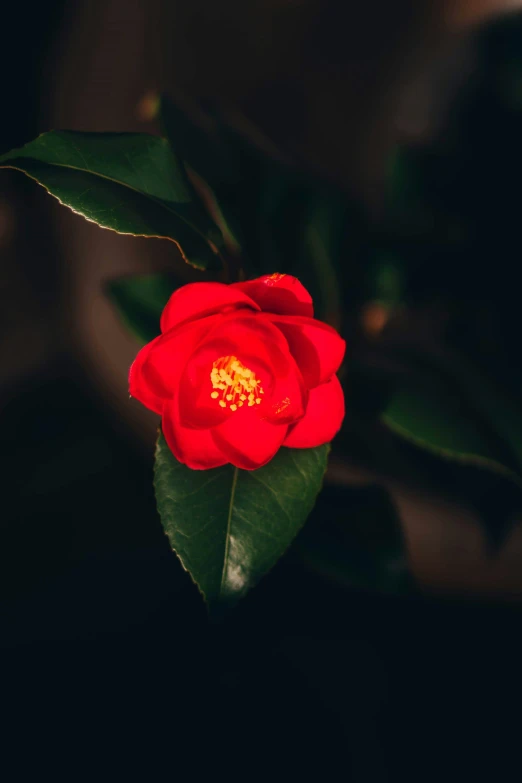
(140, 300)
(130, 183)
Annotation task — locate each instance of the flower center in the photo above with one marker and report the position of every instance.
(234, 384)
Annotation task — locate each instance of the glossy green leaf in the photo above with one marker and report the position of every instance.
(140, 301)
(129, 182)
(230, 526)
(459, 416)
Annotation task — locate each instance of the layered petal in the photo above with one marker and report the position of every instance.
(154, 374)
(247, 440)
(288, 398)
(194, 448)
(253, 334)
(261, 348)
(206, 400)
(323, 417)
(278, 293)
(316, 347)
(198, 300)
(150, 393)
(240, 370)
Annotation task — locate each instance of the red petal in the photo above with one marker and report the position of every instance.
(323, 417)
(278, 294)
(258, 323)
(252, 334)
(248, 441)
(197, 300)
(149, 394)
(316, 347)
(194, 448)
(288, 399)
(260, 347)
(197, 408)
(154, 375)
(172, 351)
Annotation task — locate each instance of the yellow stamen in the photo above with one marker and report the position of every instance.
(237, 382)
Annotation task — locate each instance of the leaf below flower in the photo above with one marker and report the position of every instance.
(229, 526)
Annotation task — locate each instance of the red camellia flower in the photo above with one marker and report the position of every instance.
(241, 370)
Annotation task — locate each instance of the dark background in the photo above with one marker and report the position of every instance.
(107, 654)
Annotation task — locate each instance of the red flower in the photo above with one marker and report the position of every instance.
(240, 370)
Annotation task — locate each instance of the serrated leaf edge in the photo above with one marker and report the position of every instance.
(160, 203)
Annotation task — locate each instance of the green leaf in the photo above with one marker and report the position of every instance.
(458, 415)
(230, 526)
(140, 300)
(131, 183)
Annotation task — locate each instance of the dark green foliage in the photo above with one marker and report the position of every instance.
(140, 301)
(128, 182)
(236, 523)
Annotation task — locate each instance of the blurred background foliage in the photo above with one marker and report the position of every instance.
(413, 289)
(343, 636)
